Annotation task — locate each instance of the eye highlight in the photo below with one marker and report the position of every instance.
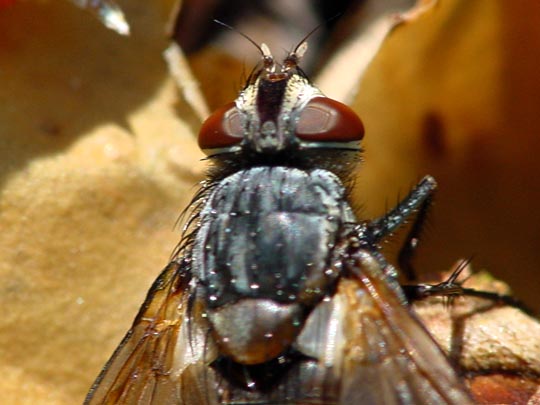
(327, 120)
(222, 128)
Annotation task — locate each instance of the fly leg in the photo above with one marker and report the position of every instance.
(452, 288)
(408, 249)
(418, 200)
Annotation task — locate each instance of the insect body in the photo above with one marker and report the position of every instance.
(277, 293)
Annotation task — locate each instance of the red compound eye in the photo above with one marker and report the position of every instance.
(327, 120)
(222, 129)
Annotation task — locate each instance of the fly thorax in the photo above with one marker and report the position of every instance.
(264, 255)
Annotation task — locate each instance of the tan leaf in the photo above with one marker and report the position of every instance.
(454, 92)
(97, 160)
(496, 347)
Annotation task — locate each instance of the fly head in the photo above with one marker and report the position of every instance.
(280, 113)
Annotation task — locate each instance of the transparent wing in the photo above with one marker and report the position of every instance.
(388, 357)
(378, 352)
(159, 354)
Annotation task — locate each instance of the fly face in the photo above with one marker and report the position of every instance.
(280, 111)
(277, 293)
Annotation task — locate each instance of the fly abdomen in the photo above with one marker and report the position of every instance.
(254, 330)
(263, 253)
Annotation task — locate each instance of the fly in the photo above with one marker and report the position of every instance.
(277, 293)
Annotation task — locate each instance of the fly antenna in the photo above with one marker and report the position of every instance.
(268, 60)
(300, 49)
(244, 35)
(310, 33)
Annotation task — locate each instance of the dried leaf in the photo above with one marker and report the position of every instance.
(97, 160)
(496, 347)
(108, 12)
(453, 92)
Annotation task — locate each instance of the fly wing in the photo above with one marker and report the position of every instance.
(388, 357)
(160, 351)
